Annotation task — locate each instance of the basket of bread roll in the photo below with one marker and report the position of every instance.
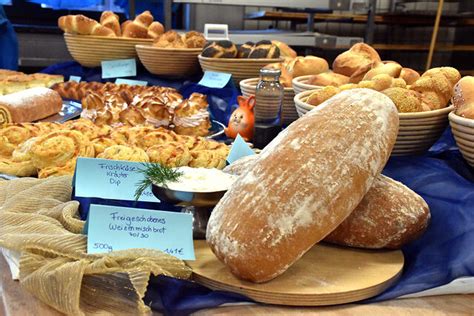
(462, 119)
(242, 62)
(172, 54)
(291, 66)
(423, 102)
(89, 42)
(352, 67)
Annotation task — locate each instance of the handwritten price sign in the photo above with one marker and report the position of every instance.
(119, 68)
(109, 179)
(113, 228)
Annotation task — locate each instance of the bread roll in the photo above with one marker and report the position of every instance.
(391, 68)
(30, 105)
(219, 49)
(359, 56)
(155, 30)
(405, 100)
(328, 79)
(264, 49)
(321, 95)
(285, 50)
(308, 65)
(303, 184)
(389, 216)
(138, 28)
(463, 99)
(112, 21)
(80, 24)
(409, 75)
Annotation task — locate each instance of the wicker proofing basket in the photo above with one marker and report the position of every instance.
(90, 50)
(463, 131)
(170, 62)
(240, 68)
(300, 84)
(288, 112)
(417, 131)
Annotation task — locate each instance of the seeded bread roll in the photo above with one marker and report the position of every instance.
(259, 236)
(219, 49)
(245, 49)
(264, 49)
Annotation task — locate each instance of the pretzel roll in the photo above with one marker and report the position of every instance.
(111, 21)
(121, 152)
(170, 154)
(58, 148)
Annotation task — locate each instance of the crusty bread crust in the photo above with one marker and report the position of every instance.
(303, 184)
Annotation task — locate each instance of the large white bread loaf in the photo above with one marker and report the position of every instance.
(303, 184)
(389, 216)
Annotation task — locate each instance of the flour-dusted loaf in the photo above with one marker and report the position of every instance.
(389, 216)
(303, 184)
(30, 105)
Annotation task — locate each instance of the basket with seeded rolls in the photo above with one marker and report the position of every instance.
(172, 54)
(423, 106)
(242, 62)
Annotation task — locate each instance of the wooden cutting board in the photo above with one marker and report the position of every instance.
(326, 275)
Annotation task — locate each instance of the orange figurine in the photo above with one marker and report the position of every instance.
(242, 119)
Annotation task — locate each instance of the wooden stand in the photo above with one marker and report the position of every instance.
(326, 275)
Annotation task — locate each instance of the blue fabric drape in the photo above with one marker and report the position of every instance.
(8, 43)
(68, 4)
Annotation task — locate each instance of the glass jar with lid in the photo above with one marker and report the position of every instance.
(268, 107)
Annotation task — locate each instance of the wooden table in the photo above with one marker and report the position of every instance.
(15, 301)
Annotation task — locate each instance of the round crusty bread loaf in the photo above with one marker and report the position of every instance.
(389, 216)
(271, 216)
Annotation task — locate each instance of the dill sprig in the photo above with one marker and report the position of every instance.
(157, 174)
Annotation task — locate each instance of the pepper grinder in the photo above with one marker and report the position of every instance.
(267, 110)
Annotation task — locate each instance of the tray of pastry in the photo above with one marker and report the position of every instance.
(69, 111)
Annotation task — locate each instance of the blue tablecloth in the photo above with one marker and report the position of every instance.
(444, 252)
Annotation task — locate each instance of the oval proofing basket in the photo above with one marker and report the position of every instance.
(90, 50)
(417, 131)
(169, 62)
(463, 131)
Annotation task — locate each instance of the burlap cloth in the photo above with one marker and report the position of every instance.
(38, 220)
